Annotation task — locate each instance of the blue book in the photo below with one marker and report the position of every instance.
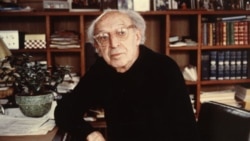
(244, 62)
(238, 61)
(232, 64)
(226, 64)
(213, 65)
(220, 65)
(205, 65)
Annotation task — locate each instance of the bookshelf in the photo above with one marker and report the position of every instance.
(160, 26)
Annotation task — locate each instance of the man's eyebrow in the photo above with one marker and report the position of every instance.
(98, 30)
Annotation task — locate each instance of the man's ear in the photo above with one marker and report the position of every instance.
(138, 37)
(97, 50)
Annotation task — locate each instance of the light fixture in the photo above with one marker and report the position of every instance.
(4, 51)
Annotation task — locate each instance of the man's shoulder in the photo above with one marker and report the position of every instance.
(157, 58)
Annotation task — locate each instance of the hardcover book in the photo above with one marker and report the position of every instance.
(213, 65)
(244, 64)
(236, 32)
(204, 33)
(232, 64)
(218, 34)
(238, 64)
(205, 65)
(220, 65)
(224, 33)
(226, 65)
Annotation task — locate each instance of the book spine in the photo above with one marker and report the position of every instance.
(244, 64)
(220, 65)
(241, 32)
(226, 64)
(218, 33)
(224, 33)
(205, 65)
(232, 64)
(210, 34)
(236, 32)
(238, 64)
(221, 33)
(246, 33)
(231, 33)
(214, 33)
(213, 65)
(228, 33)
(204, 33)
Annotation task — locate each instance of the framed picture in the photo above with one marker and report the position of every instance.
(85, 5)
(125, 4)
(161, 5)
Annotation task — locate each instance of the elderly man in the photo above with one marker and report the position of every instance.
(142, 92)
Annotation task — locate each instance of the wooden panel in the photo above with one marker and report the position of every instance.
(71, 59)
(25, 24)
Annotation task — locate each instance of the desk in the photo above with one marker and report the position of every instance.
(54, 135)
(50, 136)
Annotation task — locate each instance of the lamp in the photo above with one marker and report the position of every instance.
(4, 51)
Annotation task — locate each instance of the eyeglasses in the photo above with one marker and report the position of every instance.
(103, 38)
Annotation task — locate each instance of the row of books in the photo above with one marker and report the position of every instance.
(156, 5)
(235, 32)
(219, 4)
(224, 65)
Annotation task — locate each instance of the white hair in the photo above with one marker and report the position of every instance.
(135, 17)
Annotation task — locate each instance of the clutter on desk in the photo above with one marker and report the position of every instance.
(14, 123)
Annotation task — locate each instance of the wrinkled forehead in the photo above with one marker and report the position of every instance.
(112, 19)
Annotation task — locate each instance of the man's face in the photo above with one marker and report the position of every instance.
(117, 40)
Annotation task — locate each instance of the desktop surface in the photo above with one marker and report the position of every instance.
(50, 136)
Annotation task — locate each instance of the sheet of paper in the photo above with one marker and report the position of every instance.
(14, 123)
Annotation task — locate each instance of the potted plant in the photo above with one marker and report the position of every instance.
(33, 83)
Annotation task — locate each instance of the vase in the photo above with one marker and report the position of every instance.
(35, 106)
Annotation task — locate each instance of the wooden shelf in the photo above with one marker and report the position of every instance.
(160, 26)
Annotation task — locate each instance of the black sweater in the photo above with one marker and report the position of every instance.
(149, 102)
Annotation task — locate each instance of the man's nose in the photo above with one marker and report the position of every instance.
(114, 41)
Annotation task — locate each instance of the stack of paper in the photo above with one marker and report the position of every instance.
(65, 39)
(223, 96)
(14, 123)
